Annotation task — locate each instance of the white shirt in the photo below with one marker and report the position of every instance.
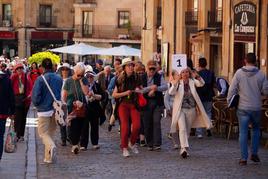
(45, 114)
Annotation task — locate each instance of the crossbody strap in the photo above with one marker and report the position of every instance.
(77, 94)
(50, 90)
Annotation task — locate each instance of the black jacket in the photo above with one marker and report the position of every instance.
(7, 101)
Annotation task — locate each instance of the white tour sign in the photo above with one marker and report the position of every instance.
(179, 62)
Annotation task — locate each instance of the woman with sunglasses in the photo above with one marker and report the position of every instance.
(154, 86)
(22, 87)
(94, 96)
(127, 82)
(73, 95)
(188, 111)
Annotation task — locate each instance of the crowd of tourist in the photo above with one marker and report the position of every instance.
(113, 93)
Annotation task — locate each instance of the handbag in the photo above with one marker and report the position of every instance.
(59, 107)
(78, 111)
(234, 101)
(10, 143)
(141, 100)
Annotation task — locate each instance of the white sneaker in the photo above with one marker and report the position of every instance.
(125, 152)
(52, 153)
(83, 148)
(176, 146)
(133, 148)
(47, 161)
(75, 149)
(199, 136)
(96, 147)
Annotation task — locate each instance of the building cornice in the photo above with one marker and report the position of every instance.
(107, 40)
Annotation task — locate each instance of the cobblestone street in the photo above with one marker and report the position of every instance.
(213, 157)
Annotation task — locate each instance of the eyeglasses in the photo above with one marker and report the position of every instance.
(19, 68)
(64, 69)
(152, 69)
(80, 75)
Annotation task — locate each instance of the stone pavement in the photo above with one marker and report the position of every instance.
(213, 157)
(22, 163)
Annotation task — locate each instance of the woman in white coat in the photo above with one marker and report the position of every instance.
(188, 111)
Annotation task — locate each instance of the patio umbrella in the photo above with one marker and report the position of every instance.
(78, 49)
(122, 50)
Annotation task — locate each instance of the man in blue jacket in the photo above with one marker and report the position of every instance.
(43, 101)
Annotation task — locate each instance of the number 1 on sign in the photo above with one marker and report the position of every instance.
(179, 63)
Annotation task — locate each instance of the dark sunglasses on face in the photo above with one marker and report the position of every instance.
(79, 75)
(152, 69)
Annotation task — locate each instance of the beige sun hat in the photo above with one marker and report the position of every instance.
(89, 70)
(126, 61)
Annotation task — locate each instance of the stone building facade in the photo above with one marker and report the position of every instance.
(208, 28)
(29, 26)
(108, 23)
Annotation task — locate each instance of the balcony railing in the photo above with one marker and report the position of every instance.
(90, 1)
(107, 32)
(86, 1)
(46, 21)
(191, 17)
(215, 18)
(6, 21)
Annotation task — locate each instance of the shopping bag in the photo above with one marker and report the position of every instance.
(11, 143)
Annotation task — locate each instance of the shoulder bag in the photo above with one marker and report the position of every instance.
(78, 111)
(59, 107)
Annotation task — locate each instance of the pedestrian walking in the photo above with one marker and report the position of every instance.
(43, 101)
(154, 86)
(7, 106)
(111, 86)
(74, 96)
(188, 111)
(249, 83)
(94, 97)
(22, 87)
(65, 73)
(206, 92)
(168, 102)
(126, 85)
(141, 70)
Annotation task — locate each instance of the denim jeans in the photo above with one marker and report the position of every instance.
(208, 108)
(245, 117)
(2, 133)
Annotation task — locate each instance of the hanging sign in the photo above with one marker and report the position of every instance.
(179, 62)
(245, 18)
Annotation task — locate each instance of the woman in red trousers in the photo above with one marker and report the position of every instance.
(126, 84)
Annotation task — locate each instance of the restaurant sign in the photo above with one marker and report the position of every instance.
(245, 18)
